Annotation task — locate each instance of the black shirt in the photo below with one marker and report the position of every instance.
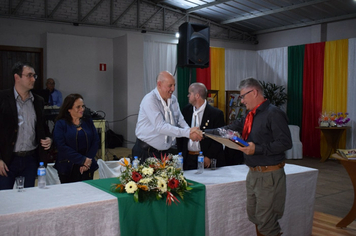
(270, 133)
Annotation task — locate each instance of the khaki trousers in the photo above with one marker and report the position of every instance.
(266, 194)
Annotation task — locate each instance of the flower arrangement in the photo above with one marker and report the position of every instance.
(333, 119)
(154, 178)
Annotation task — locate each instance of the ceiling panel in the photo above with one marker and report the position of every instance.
(269, 15)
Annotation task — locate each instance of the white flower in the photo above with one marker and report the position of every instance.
(145, 180)
(147, 171)
(161, 185)
(170, 169)
(131, 187)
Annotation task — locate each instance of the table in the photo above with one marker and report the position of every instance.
(100, 124)
(350, 167)
(81, 209)
(332, 136)
(64, 209)
(225, 203)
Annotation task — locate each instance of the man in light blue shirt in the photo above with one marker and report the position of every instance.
(55, 96)
(160, 121)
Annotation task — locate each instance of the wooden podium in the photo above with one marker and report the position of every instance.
(332, 136)
(350, 166)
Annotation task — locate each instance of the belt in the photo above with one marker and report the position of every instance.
(24, 153)
(268, 168)
(145, 146)
(193, 153)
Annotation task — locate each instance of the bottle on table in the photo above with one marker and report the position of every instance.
(200, 163)
(135, 163)
(180, 161)
(41, 173)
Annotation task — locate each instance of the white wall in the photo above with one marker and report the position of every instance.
(73, 62)
(311, 34)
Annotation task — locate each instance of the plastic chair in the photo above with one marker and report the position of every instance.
(296, 152)
(111, 169)
(52, 175)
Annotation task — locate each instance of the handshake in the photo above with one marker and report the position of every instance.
(196, 134)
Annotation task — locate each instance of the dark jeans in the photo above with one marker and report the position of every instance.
(20, 166)
(76, 176)
(143, 151)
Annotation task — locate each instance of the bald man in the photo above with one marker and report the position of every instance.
(200, 114)
(160, 121)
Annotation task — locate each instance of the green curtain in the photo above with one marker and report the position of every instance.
(295, 84)
(185, 77)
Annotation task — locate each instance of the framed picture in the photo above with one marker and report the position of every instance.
(234, 108)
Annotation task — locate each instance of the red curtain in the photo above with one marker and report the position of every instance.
(204, 75)
(313, 77)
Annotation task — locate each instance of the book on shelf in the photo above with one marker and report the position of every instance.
(347, 153)
(234, 144)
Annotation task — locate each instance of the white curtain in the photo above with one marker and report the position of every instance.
(351, 97)
(157, 57)
(239, 65)
(272, 66)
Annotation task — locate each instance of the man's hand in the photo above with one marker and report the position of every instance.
(46, 143)
(206, 162)
(195, 134)
(249, 150)
(3, 168)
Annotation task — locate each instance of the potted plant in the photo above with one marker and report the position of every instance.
(274, 93)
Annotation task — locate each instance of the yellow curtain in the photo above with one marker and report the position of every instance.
(335, 82)
(217, 69)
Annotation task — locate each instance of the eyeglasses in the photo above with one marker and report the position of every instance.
(30, 75)
(243, 96)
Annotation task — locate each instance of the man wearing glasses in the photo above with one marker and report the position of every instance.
(24, 135)
(265, 128)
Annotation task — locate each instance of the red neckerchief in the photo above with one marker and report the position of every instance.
(248, 122)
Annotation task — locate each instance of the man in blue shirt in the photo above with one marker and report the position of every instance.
(55, 96)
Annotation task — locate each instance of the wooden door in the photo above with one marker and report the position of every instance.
(10, 55)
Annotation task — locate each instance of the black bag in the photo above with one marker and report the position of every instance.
(113, 140)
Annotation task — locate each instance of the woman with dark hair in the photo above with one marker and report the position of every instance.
(76, 139)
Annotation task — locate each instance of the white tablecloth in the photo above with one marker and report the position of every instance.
(80, 209)
(225, 209)
(66, 209)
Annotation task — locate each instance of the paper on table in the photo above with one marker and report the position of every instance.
(227, 142)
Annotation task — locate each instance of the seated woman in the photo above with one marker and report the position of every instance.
(76, 139)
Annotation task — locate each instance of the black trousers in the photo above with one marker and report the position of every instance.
(143, 151)
(190, 162)
(76, 176)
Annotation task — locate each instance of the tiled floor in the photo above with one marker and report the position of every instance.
(334, 191)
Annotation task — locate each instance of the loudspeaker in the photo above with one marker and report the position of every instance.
(193, 45)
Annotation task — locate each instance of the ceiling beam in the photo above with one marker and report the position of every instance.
(193, 9)
(55, 8)
(265, 13)
(92, 10)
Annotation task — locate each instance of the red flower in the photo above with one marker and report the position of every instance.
(171, 198)
(136, 176)
(173, 183)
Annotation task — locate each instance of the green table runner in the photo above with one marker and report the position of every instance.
(155, 217)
